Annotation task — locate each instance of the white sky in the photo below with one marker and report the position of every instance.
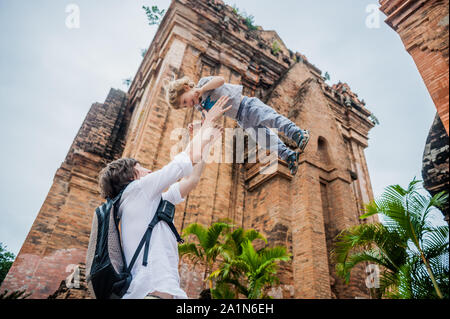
(50, 76)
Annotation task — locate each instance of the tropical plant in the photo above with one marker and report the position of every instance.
(207, 247)
(6, 261)
(223, 290)
(17, 294)
(249, 20)
(261, 267)
(411, 252)
(143, 52)
(127, 82)
(374, 119)
(228, 273)
(154, 14)
(275, 47)
(250, 271)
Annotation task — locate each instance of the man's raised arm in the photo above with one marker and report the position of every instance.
(182, 165)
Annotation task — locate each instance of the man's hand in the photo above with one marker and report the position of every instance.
(211, 124)
(211, 130)
(216, 112)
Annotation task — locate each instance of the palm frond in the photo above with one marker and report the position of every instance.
(190, 250)
(436, 241)
(249, 255)
(343, 269)
(363, 237)
(223, 291)
(252, 235)
(440, 199)
(274, 254)
(214, 232)
(388, 283)
(404, 287)
(197, 230)
(412, 251)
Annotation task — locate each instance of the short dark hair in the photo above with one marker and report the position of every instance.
(115, 176)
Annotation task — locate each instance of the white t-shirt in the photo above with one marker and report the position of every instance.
(138, 205)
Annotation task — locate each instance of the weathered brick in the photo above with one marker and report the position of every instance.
(423, 27)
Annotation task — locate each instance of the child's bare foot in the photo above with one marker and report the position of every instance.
(301, 137)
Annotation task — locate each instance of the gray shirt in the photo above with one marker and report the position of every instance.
(209, 98)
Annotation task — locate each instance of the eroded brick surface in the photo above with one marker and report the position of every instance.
(423, 27)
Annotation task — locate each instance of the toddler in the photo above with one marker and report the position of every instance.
(249, 112)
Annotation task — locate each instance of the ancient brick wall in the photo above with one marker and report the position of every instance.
(423, 27)
(304, 213)
(60, 233)
(198, 38)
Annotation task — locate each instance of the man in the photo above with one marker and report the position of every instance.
(140, 199)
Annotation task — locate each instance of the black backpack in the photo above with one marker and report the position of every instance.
(107, 274)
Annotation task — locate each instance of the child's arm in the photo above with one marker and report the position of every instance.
(214, 83)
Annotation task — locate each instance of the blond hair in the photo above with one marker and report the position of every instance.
(175, 89)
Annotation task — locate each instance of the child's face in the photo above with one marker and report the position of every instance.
(190, 97)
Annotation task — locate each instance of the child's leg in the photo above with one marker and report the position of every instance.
(256, 113)
(264, 137)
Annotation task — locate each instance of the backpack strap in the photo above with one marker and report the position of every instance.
(117, 217)
(175, 232)
(148, 233)
(145, 240)
(166, 212)
(147, 236)
(116, 201)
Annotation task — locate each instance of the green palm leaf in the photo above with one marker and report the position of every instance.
(213, 233)
(251, 235)
(197, 230)
(411, 250)
(189, 249)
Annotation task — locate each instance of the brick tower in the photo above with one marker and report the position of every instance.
(59, 236)
(423, 27)
(304, 213)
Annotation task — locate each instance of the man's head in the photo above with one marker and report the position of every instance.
(119, 173)
(181, 93)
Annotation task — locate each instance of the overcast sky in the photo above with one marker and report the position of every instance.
(51, 74)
